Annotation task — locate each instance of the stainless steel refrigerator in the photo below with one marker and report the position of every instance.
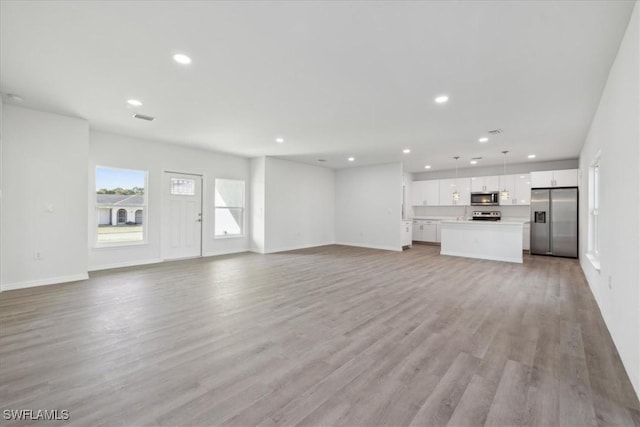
(554, 222)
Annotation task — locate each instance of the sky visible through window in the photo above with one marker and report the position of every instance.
(118, 178)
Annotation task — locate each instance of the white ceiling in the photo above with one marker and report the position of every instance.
(335, 79)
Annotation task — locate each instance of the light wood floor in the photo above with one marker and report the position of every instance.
(325, 336)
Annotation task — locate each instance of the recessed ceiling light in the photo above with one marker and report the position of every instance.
(427, 167)
(134, 102)
(474, 162)
(531, 156)
(279, 140)
(352, 159)
(483, 139)
(143, 117)
(182, 59)
(406, 151)
(442, 99)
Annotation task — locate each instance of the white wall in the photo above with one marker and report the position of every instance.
(1, 139)
(615, 133)
(44, 175)
(369, 206)
(299, 205)
(155, 157)
(257, 191)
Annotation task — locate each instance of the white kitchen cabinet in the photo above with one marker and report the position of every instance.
(429, 231)
(425, 193)
(526, 236)
(438, 233)
(485, 184)
(565, 178)
(416, 232)
(425, 230)
(448, 186)
(559, 178)
(522, 188)
(519, 189)
(406, 232)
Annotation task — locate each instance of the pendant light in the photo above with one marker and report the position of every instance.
(456, 193)
(504, 194)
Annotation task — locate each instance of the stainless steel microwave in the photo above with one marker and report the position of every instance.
(485, 199)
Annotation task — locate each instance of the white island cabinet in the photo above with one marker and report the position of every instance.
(494, 240)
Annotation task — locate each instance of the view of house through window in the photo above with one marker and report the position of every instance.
(229, 204)
(120, 205)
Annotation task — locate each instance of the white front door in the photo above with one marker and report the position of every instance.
(182, 213)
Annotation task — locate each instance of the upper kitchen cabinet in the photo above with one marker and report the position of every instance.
(559, 178)
(448, 186)
(485, 184)
(425, 193)
(519, 188)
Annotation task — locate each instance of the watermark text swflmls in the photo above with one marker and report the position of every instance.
(35, 414)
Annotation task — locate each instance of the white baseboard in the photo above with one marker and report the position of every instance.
(44, 282)
(363, 245)
(296, 247)
(125, 264)
(475, 255)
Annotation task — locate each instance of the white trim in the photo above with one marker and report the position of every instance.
(594, 260)
(226, 252)
(363, 245)
(44, 282)
(113, 245)
(488, 257)
(296, 247)
(125, 264)
(229, 236)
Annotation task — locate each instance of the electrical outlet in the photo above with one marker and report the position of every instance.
(37, 256)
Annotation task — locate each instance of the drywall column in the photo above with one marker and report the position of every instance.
(369, 206)
(257, 219)
(44, 218)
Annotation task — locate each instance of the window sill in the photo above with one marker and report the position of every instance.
(114, 245)
(594, 260)
(234, 236)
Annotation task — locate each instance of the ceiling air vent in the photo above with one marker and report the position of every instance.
(476, 158)
(143, 117)
(495, 132)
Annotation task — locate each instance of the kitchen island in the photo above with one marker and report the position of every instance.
(494, 240)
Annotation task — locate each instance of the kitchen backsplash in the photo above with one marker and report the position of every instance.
(458, 211)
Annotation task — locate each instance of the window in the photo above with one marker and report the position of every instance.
(183, 187)
(594, 206)
(121, 205)
(229, 206)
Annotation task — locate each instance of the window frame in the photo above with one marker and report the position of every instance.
(145, 211)
(243, 232)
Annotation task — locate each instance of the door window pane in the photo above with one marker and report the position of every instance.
(184, 187)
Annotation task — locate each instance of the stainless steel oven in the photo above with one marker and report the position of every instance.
(485, 199)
